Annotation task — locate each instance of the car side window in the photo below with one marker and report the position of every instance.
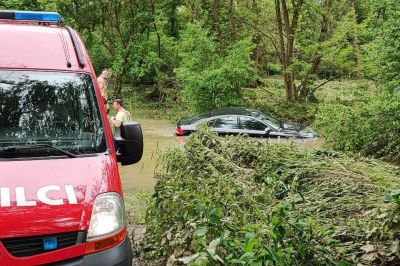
(211, 122)
(251, 124)
(229, 122)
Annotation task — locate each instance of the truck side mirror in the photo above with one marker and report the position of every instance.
(267, 130)
(130, 143)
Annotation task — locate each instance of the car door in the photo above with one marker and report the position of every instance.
(252, 126)
(226, 125)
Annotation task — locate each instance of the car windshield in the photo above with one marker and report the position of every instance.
(53, 108)
(275, 123)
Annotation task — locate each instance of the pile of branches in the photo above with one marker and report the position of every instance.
(242, 201)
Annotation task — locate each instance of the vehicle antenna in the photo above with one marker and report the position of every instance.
(66, 48)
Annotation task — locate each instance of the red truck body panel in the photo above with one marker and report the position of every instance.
(89, 176)
(37, 47)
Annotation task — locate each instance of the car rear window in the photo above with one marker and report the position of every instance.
(53, 108)
(199, 117)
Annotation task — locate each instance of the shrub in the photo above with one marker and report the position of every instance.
(211, 78)
(241, 201)
(278, 106)
(371, 127)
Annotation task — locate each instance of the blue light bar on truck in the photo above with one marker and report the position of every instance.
(37, 16)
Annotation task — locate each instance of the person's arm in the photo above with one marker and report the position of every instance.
(102, 86)
(117, 120)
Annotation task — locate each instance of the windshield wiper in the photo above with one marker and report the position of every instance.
(37, 146)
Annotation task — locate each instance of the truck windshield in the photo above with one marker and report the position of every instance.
(53, 108)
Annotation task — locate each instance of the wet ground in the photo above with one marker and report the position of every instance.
(159, 135)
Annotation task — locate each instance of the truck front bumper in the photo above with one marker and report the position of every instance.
(120, 255)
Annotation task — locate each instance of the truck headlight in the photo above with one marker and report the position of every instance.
(107, 226)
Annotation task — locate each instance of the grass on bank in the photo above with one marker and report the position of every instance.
(136, 204)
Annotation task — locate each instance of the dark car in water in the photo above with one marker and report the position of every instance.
(234, 121)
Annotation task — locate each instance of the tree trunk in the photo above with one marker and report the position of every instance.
(287, 48)
(256, 39)
(356, 39)
(230, 18)
(120, 76)
(316, 59)
(172, 19)
(153, 13)
(118, 86)
(216, 21)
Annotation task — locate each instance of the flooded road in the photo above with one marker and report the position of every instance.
(159, 135)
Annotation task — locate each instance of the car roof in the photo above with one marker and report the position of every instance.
(32, 46)
(219, 112)
(234, 111)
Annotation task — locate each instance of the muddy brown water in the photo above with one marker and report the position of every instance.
(159, 135)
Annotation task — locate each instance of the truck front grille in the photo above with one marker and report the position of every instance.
(29, 246)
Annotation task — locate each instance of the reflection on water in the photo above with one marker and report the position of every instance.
(158, 135)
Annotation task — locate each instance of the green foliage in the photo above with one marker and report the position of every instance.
(339, 51)
(136, 204)
(303, 113)
(270, 98)
(99, 55)
(211, 80)
(371, 127)
(382, 46)
(393, 218)
(20, 4)
(211, 49)
(237, 200)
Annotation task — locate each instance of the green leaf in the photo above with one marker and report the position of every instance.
(200, 231)
(188, 259)
(215, 243)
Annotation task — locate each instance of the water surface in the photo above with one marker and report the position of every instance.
(157, 135)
